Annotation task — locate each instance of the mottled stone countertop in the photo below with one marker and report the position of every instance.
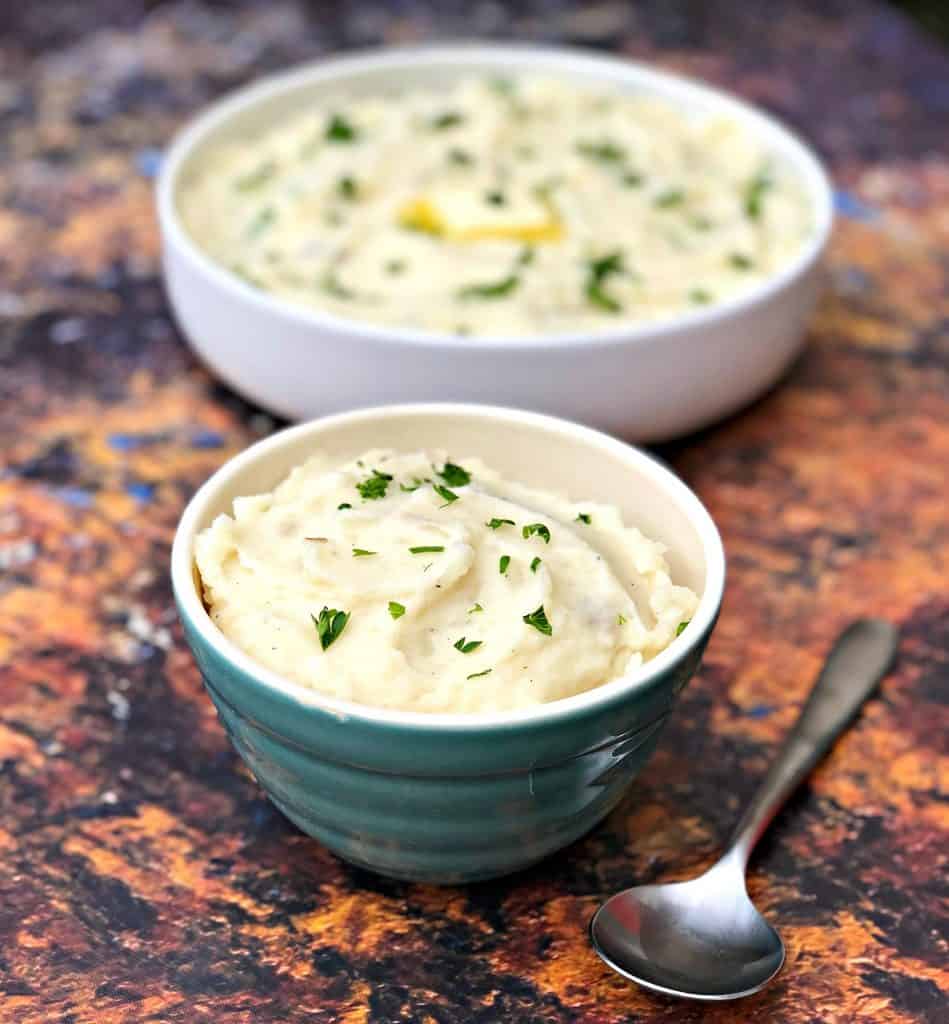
(143, 876)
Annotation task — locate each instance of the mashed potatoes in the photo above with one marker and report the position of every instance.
(409, 581)
(498, 208)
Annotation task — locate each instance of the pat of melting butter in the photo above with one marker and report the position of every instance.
(466, 215)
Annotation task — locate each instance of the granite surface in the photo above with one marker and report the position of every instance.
(143, 877)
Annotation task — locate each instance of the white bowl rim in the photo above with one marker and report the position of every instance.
(611, 70)
(183, 580)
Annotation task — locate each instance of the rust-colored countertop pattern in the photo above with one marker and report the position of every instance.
(143, 876)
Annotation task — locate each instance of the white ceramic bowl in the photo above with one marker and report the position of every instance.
(647, 381)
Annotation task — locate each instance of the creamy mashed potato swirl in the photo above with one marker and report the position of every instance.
(403, 580)
(498, 208)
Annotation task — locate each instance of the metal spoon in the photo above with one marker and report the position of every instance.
(703, 939)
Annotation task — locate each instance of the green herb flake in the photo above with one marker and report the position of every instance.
(396, 610)
(450, 119)
(496, 524)
(347, 187)
(584, 517)
(454, 476)
(535, 563)
(259, 176)
(339, 129)
(526, 257)
(345, 504)
(494, 197)
(413, 486)
(493, 290)
(754, 195)
(466, 646)
(538, 619)
(264, 219)
(598, 271)
(632, 179)
(329, 625)
(332, 286)
(362, 552)
(670, 198)
(536, 528)
(621, 619)
(478, 675)
(740, 261)
(460, 157)
(680, 629)
(444, 492)
(475, 608)
(424, 549)
(503, 563)
(395, 267)
(700, 297)
(605, 152)
(375, 487)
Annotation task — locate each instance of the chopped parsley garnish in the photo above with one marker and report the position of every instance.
(396, 610)
(338, 129)
(536, 528)
(345, 504)
(700, 296)
(598, 271)
(584, 517)
(450, 119)
(740, 261)
(535, 563)
(466, 646)
(347, 187)
(475, 608)
(257, 177)
(444, 492)
(454, 476)
(671, 197)
(526, 257)
(605, 152)
(395, 267)
(496, 524)
(362, 552)
(413, 486)
(631, 179)
(477, 675)
(329, 625)
(538, 619)
(261, 222)
(495, 198)
(375, 487)
(681, 627)
(424, 549)
(460, 157)
(494, 290)
(621, 619)
(754, 195)
(503, 563)
(332, 286)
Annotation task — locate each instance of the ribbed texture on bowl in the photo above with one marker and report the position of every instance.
(433, 804)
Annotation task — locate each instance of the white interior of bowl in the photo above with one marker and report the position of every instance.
(257, 107)
(541, 451)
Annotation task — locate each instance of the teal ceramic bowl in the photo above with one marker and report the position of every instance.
(451, 797)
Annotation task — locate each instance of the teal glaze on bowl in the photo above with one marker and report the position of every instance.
(436, 798)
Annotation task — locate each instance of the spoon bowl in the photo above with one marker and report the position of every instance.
(701, 939)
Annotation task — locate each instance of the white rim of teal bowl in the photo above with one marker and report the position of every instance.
(183, 578)
(563, 61)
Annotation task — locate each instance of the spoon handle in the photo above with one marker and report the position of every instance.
(860, 658)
